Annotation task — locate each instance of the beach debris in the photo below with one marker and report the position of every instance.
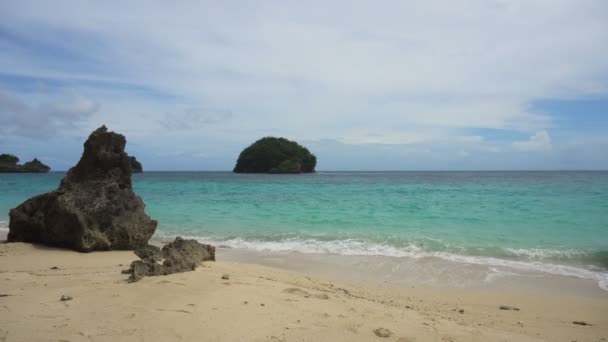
(461, 311)
(581, 323)
(225, 277)
(383, 332)
(178, 256)
(94, 207)
(4, 295)
(66, 298)
(262, 304)
(54, 268)
(506, 307)
(245, 302)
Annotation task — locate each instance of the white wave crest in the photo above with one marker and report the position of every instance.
(363, 248)
(544, 253)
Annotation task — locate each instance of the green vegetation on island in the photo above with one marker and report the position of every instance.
(135, 165)
(10, 163)
(275, 155)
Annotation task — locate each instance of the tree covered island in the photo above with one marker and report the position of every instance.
(275, 155)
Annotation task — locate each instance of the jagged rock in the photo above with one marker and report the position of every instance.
(94, 208)
(135, 165)
(178, 256)
(149, 252)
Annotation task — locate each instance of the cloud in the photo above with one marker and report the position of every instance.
(404, 73)
(541, 141)
(58, 115)
(381, 68)
(194, 118)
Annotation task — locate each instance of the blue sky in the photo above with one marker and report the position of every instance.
(388, 85)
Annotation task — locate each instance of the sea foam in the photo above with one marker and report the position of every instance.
(351, 247)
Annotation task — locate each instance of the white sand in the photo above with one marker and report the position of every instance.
(260, 303)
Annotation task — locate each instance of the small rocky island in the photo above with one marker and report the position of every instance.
(275, 155)
(10, 163)
(135, 165)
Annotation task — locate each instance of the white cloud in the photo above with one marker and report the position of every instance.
(360, 73)
(541, 141)
(478, 64)
(62, 112)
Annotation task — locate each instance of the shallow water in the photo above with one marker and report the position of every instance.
(552, 222)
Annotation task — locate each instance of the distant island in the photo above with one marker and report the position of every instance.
(275, 155)
(10, 163)
(135, 165)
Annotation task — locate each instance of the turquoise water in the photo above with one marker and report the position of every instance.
(548, 221)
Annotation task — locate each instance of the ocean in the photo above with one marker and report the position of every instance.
(551, 222)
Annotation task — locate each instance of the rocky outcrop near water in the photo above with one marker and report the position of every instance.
(135, 165)
(10, 163)
(176, 257)
(94, 207)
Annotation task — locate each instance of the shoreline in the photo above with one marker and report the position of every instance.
(426, 272)
(453, 271)
(262, 303)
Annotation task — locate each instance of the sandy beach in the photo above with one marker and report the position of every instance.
(261, 303)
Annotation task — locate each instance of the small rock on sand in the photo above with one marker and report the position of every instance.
(54, 268)
(66, 298)
(461, 311)
(506, 307)
(581, 323)
(225, 277)
(383, 332)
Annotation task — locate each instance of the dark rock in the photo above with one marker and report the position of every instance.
(66, 298)
(94, 208)
(149, 252)
(461, 311)
(225, 277)
(383, 332)
(178, 256)
(54, 268)
(135, 165)
(506, 307)
(581, 323)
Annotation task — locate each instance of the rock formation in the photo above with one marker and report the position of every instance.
(135, 165)
(178, 256)
(275, 155)
(94, 208)
(9, 163)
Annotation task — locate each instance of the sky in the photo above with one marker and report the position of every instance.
(365, 85)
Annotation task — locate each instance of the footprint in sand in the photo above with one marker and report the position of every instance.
(299, 292)
(296, 291)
